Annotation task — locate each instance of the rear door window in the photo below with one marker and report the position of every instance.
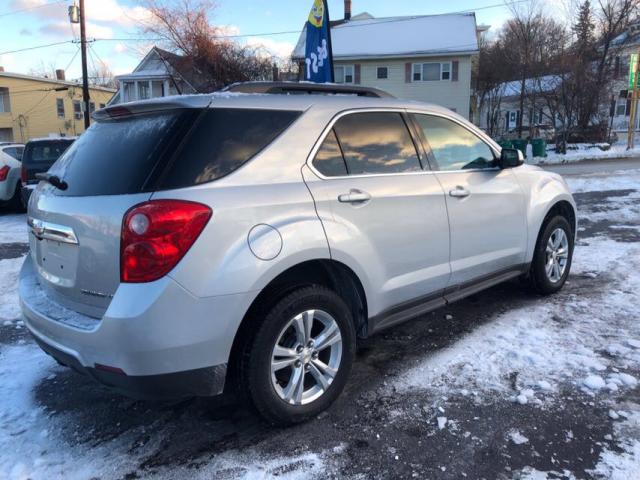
(329, 160)
(376, 143)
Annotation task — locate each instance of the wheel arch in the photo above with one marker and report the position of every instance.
(326, 272)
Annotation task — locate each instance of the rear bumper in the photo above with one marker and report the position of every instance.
(191, 383)
(155, 340)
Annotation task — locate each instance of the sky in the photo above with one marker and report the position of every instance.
(32, 23)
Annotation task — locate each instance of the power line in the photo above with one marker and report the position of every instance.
(36, 47)
(13, 12)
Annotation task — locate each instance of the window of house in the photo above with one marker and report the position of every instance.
(329, 160)
(376, 142)
(143, 91)
(382, 73)
(102, 105)
(453, 146)
(60, 107)
(129, 91)
(157, 89)
(344, 74)
(92, 107)
(5, 103)
(446, 71)
(431, 71)
(77, 109)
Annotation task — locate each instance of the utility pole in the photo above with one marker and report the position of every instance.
(85, 75)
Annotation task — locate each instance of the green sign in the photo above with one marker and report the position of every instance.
(633, 69)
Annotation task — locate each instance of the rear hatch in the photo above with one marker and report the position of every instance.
(118, 163)
(75, 233)
(40, 155)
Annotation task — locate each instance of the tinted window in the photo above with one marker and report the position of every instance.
(115, 156)
(223, 140)
(45, 152)
(15, 152)
(376, 143)
(329, 160)
(453, 146)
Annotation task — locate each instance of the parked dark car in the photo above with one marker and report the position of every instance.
(39, 154)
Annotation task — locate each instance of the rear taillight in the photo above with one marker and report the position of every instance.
(156, 235)
(4, 173)
(23, 174)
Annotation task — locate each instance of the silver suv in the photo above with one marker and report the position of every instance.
(184, 246)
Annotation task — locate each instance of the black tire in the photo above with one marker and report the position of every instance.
(16, 202)
(255, 369)
(538, 275)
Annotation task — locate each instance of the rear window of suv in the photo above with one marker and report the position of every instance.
(171, 149)
(45, 151)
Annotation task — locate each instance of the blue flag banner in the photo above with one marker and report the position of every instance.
(318, 61)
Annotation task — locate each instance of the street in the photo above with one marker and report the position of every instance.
(505, 384)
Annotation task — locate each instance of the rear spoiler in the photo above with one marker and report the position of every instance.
(160, 104)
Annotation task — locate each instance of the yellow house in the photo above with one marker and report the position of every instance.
(33, 107)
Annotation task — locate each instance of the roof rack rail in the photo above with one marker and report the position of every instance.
(309, 88)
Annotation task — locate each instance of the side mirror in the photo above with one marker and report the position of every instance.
(510, 158)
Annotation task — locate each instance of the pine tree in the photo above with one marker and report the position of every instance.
(584, 29)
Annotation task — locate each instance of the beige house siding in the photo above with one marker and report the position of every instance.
(32, 107)
(451, 94)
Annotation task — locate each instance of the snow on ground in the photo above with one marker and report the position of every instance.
(13, 228)
(586, 343)
(39, 450)
(584, 151)
(625, 464)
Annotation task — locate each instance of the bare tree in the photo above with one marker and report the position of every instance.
(611, 19)
(185, 29)
(102, 76)
(43, 70)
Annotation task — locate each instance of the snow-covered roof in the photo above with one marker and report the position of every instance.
(544, 83)
(426, 35)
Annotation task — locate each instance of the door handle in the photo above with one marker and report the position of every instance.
(459, 192)
(354, 196)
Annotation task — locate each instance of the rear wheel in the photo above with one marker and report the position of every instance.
(299, 360)
(17, 202)
(552, 256)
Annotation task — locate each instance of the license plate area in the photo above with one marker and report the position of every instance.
(57, 262)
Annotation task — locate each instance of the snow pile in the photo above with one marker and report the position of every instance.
(9, 308)
(586, 151)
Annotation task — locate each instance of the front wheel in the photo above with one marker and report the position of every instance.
(300, 358)
(552, 256)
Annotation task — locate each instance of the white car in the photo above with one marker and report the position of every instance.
(10, 164)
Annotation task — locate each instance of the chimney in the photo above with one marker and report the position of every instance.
(347, 10)
(60, 74)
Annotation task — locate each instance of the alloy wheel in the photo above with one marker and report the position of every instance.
(557, 255)
(306, 357)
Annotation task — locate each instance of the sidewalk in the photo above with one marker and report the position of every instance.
(595, 165)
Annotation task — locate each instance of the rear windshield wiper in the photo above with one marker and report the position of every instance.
(53, 180)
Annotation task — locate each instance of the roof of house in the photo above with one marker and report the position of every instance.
(174, 64)
(427, 35)
(53, 80)
(544, 83)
